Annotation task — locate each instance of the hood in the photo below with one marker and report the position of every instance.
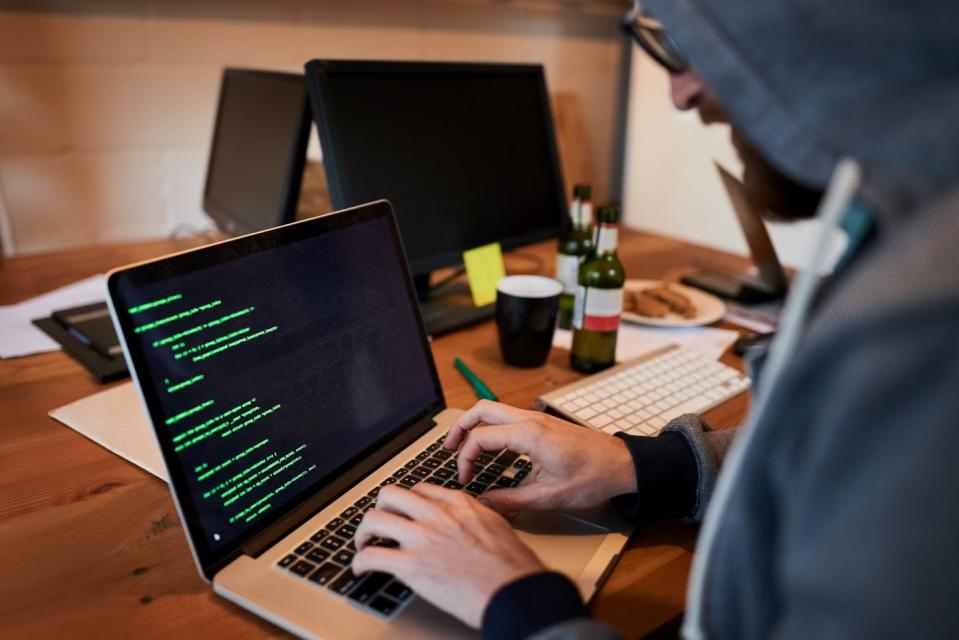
(811, 81)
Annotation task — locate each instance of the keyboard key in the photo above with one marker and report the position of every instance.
(443, 454)
(485, 478)
(453, 484)
(411, 464)
(369, 585)
(435, 480)
(586, 414)
(398, 590)
(302, 567)
(495, 469)
(383, 542)
(332, 543)
(346, 531)
(431, 463)
(319, 535)
(520, 463)
(450, 464)
(646, 429)
(362, 502)
(345, 582)
(433, 447)
(303, 548)
(476, 488)
(409, 481)
(601, 420)
(349, 513)
(484, 458)
(317, 555)
(384, 605)
(325, 573)
(399, 473)
(334, 524)
(522, 473)
(423, 456)
(389, 480)
(507, 482)
(444, 473)
(420, 472)
(343, 557)
(375, 491)
(287, 560)
(351, 546)
(356, 520)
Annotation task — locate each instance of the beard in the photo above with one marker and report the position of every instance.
(778, 197)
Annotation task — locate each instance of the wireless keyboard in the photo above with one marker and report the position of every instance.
(641, 395)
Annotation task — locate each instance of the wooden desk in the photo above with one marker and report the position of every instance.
(90, 545)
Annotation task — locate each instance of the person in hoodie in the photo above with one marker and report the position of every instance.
(835, 513)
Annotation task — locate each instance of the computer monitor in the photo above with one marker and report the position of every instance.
(258, 150)
(466, 153)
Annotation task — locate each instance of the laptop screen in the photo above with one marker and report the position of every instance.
(270, 363)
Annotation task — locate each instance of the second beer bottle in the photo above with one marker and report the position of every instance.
(599, 298)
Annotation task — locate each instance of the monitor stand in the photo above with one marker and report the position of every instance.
(448, 307)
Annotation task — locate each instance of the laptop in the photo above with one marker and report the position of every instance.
(770, 281)
(287, 377)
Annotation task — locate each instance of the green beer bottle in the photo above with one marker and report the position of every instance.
(599, 299)
(575, 245)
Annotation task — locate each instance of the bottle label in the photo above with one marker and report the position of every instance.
(567, 272)
(597, 309)
(607, 238)
(575, 207)
(585, 213)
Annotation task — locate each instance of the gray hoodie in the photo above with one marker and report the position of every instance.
(841, 519)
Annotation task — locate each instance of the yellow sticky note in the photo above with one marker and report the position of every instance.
(484, 269)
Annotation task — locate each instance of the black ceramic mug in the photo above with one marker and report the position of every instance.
(526, 308)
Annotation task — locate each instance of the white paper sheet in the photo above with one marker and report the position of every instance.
(633, 341)
(114, 419)
(20, 338)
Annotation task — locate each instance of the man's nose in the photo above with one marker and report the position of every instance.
(685, 89)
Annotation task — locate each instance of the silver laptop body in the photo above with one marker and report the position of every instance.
(246, 497)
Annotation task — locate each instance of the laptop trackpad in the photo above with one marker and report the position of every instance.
(564, 544)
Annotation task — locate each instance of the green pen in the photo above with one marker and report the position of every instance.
(482, 391)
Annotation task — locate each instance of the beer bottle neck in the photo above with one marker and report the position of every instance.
(607, 238)
(581, 213)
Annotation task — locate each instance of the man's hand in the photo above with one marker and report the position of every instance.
(573, 467)
(453, 551)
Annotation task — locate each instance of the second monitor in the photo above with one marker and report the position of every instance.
(466, 153)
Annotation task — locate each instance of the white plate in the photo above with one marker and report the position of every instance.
(709, 308)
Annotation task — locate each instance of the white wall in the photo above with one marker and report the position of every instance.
(670, 185)
(107, 106)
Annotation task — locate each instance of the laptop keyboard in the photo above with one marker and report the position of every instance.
(325, 557)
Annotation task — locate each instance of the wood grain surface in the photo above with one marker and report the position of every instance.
(90, 545)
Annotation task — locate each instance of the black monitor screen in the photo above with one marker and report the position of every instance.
(259, 146)
(465, 152)
(270, 362)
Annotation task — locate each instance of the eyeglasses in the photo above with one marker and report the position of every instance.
(649, 34)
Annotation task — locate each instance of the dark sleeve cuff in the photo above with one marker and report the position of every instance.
(666, 477)
(531, 604)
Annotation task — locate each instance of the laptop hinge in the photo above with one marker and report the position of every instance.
(298, 515)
